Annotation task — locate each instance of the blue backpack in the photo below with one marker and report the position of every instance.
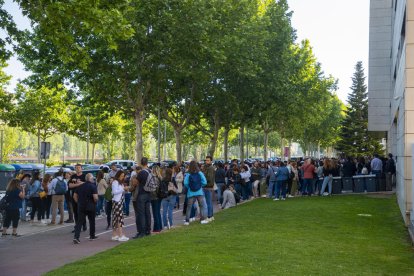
(195, 182)
(60, 188)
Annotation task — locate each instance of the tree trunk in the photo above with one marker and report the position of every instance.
(93, 153)
(38, 146)
(241, 143)
(265, 142)
(282, 145)
(139, 119)
(226, 144)
(213, 140)
(178, 148)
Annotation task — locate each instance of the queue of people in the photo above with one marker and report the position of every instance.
(198, 186)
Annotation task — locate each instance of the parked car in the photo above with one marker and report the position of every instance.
(54, 170)
(125, 164)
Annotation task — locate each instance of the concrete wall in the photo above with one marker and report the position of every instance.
(391, 107)
(379, 80)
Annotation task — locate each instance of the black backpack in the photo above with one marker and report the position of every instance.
(4, 203)
(163, 189)
(194, 182)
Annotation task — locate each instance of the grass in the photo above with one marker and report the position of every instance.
(302, 236)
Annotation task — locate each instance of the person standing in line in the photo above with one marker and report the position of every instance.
(308, 175)
(220, 178)
(101, 186)
(68, 198)
(178, 179)
(15, 194)
(282, 176)
(133, 188)
(255, 178)
(208, 190)
(390, 170)
(143, 202)
(35, 188)
(25, 183)
(86, 196)
(118, 191)
(47, 201)
(76, 180)
(328, 171)
(58, 188)
(194, 182)
(168, 202)
(156, 202)
(376, 167)
(113, 171)
(245, 181)
(271, 173)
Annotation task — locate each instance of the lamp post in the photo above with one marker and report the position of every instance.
(87, 142)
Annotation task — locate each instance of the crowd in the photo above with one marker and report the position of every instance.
(198, 186)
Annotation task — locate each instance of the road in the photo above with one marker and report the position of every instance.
(42, 248)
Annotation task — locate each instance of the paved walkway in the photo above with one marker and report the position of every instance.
(42, 248)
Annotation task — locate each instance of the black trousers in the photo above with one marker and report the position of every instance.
(135, 205)
(108, 211)
(144, 213)
(76, 213)
(82, 214)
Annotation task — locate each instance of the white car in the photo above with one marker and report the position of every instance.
(124, 163)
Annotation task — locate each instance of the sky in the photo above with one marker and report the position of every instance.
(338, 31)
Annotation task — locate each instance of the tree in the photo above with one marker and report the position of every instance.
(355, 140)
(42, 112)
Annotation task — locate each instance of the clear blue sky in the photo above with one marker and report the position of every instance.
(337, 30)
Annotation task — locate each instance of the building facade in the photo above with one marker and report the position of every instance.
(391, 89)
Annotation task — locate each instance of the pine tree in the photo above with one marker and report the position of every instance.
(355, 140)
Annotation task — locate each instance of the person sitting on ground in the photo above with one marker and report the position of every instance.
(86, 197)
(228, 198)
(15, 194)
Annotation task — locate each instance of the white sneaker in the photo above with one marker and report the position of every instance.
(186, 223)
(192, 219)
(290, 196)
(283, 198)
(204, 221)
(123, 239)
(211, 219)
(115, 238)
(276, 199)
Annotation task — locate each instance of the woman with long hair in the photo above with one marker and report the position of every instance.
(101, 187)
(156, 202)
(117, 207)
(178, 179)
(168, 203)
(35, 188)
(47, 201)
(328, 171)
(15, 195)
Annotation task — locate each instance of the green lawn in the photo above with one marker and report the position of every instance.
(301, 236)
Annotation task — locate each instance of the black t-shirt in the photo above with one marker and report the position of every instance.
(74, 178)
(85, 194)
(142, 179)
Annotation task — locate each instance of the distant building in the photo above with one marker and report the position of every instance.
(391, 89)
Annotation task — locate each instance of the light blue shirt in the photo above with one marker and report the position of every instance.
(376, 164)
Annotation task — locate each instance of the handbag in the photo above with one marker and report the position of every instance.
(42, 194)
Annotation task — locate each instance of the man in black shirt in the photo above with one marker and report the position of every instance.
(143, 202)
(76, 180)
(86, 196)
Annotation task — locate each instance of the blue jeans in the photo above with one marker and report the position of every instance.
(307, 186)
(246, 191)
(281, 187)
(156, 214)
(238, 188)
(126, 203)
(201, 203)
(144, 213)
(219, 193)
(327, 180)
(208, 194)
(23, 210)
(167, 209)
(99, 206)
(271, 189)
